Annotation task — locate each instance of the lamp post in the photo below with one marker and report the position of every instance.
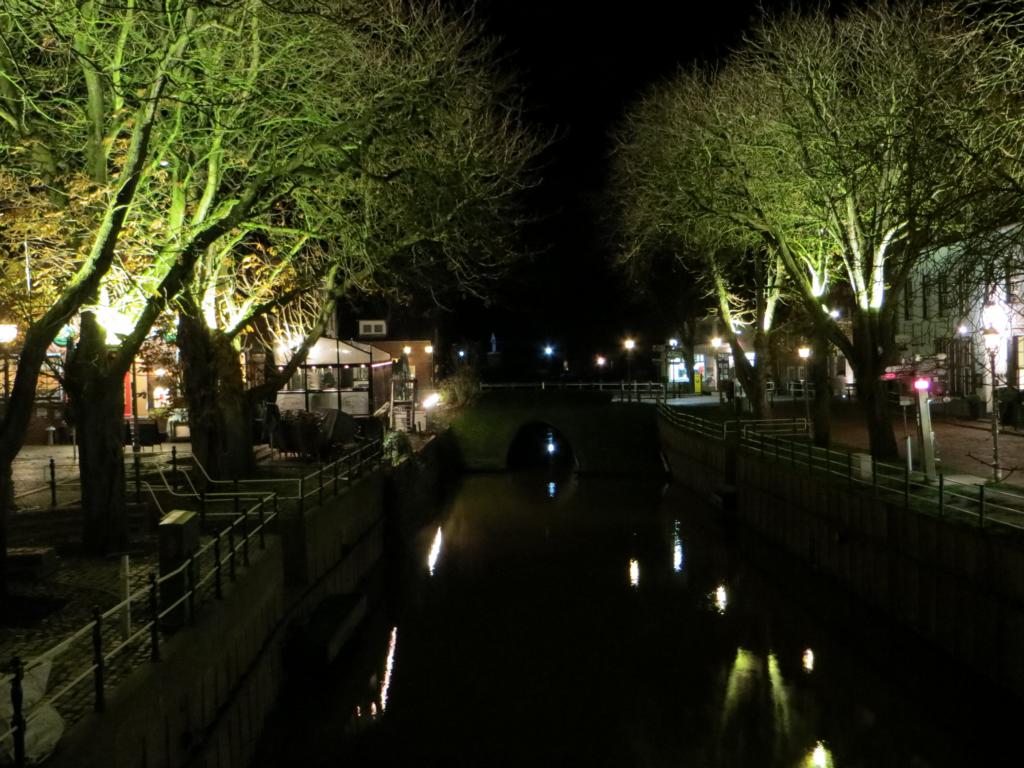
(805, 353)
(630, 345)
(992, 340)
(8, 333)
(600, 361)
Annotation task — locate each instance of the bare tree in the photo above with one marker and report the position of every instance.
(428, 205)
(826, 138)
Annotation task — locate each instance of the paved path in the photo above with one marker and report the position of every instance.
(963, 447)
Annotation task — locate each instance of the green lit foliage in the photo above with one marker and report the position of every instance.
(426, 201)
(828, 139)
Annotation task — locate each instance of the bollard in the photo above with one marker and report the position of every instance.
(263, 540)
(191, 581)
(17, 713)
(942, 485)
(217, 588)
(236, 496)
(53, 483)
(97, 660)
(245, 537)
(138, 481)
(981, 506)
(231, 551)
(154, 619)
(174, 467)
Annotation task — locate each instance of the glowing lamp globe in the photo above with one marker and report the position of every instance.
(992, 339)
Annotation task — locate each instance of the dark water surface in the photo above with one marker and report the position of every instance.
(610, 622)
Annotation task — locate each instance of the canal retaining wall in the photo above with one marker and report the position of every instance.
(958, 585)
(205, 703)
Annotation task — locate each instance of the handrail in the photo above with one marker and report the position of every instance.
(257, 518)
(976, 501)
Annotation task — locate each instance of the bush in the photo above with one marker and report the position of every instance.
(461, 388)
(397, 446)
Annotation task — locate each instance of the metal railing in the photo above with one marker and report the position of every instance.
(722, 429)
(175, 598)
(981, 503)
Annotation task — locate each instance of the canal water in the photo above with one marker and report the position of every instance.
(594, 621)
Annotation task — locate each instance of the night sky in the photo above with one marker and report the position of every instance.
(582, 64)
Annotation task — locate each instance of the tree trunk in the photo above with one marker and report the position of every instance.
(96, 408)
(220, 422)
(6, 506)
(871, 342)
(822, 414)
(751, 376)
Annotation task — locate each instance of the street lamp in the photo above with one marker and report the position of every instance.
(805, 353)
(548, 350)
(992, 340)
(629, 344)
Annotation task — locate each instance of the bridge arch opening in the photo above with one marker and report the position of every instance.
(540, 446)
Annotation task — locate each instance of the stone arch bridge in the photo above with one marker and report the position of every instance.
(605, 437)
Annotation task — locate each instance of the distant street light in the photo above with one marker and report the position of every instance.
(462, 353)
(805, 354)
(600, 361)
(993, 341)
(548, 350)
(630, 345)
(407, 350)
(673, 343)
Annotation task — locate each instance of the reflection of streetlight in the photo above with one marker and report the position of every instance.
(805, 353)
(993, 339)
(8, 333)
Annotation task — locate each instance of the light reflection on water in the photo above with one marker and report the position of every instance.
(707, 670)
(389, 664)
(435, 551)
(720, 598)
(677, 548)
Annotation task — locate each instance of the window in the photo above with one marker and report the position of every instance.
(373, 328)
